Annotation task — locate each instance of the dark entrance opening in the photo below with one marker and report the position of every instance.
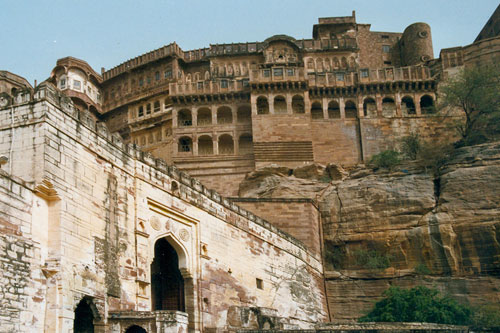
(167, 284)
(135, 329)
(84, 319)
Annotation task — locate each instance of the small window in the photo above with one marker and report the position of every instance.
(156, 106)
(223, 83)
(259, 283)
(168, 74)
(77, 85)
(63, 83)
(157, 76)
(148, 79)
(148, 108)
(387, 63)
(339, 76)
(385, 37)
(141, 82)
(266, 73)
(278, 72)
(290, 72)
(245, 83)
(98, 97)
(140, 113)
(200, 85)
(386, 48)
(364, 73)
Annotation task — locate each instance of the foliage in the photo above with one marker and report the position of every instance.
(476, 92)
(422, 269)
(372, 259)
(487, 315)
(433, 156)
(419, 304)
(410, 146)
(386, 159)
(334, 255)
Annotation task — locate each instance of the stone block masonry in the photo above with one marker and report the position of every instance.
(101, 206)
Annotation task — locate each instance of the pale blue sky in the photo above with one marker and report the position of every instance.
(35, 33)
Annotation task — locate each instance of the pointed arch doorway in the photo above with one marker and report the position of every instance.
(167, 283)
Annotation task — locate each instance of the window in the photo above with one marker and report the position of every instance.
(157, 76)
(156, 106)
(266, 73)
(289, 72)
(140, 113)
(245, 83)
(148, 108)
(141, 82)
(387, 63)
(385, 37)
(77, 85)
(98, 97)
(63, 83)
(200, 85)
(223, 83)
(278, 72)
(259, 283)
(339, 76)
(386, 48)
(148, 79)
(168, 73)
(364, 73)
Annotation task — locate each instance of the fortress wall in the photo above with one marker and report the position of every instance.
(386, 133)
(281, 127)
(111, 197)
(298, 217)
(335, 140)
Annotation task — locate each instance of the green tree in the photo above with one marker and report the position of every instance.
(411, 146)
(386, 159)
(476, 92)
(419, 304)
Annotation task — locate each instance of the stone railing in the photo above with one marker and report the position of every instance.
(208, 87)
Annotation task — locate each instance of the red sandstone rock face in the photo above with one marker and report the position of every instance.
(441, 232)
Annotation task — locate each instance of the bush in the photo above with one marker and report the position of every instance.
(386, 159)
(419, 304)
(410, 146)
(422, 269)
(434, 156)
(372, 259)
(487, 315)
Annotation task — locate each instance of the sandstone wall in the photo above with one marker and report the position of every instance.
(106, 204)
(441, 232)
(298, 217)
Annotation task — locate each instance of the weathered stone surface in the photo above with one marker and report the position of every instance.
(441, 232)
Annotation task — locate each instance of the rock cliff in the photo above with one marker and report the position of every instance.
(405, 227)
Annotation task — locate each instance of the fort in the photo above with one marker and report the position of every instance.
(122, 206)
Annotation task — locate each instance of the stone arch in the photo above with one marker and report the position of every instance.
(244, 114)
(388, 107)
(224, 115)
(316, 110)
(408, 106)
(262, 105)
(298, 105)
(280, 104)
(333, 110)
(185, 145)
(135, 329)
(205, 145)
(350, 109)
(86, 314)
(245, 144)
(184, 118)
(204, 116)
(167, 278)
(427, 104)
(370, 107)
(226, 144)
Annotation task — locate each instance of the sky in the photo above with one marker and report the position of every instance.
(105, 33)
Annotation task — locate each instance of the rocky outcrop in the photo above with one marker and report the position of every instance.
(406, 228)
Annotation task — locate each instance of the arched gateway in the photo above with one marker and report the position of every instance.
(167, 283)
